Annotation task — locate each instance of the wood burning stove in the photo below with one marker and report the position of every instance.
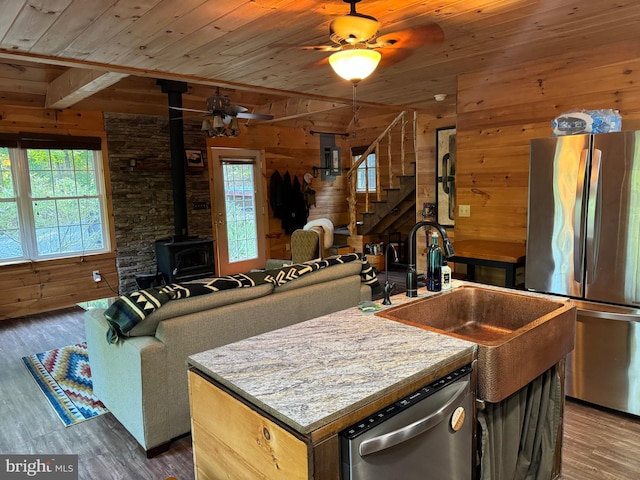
(181, 258)
(184, 260)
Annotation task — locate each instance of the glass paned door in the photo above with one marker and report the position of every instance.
(238, 213)
(240, 207)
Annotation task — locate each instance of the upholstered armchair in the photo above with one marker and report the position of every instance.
(309, 243)
(306, 245)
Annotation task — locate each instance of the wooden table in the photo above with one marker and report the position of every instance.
(487, 253)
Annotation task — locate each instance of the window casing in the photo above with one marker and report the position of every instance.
(52, 202)
(367, 169)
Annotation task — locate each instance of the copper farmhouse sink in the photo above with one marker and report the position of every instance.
(519, 336)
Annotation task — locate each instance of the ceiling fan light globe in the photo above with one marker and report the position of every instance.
(234, 128)
(355, 64)
(219, 127)
(218, 122)
(206, 125)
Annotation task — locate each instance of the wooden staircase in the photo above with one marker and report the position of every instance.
(394, 204)
(388, 213)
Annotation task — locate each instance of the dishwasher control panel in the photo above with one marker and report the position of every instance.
(382, 415)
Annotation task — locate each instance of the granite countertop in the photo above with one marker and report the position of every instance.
(313, 372)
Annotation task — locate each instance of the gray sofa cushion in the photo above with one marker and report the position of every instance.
(327, 274)
(185, 306)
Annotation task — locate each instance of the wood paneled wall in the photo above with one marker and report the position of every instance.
(34, 287)
(500, 110)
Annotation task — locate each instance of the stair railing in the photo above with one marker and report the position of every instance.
(375, 146)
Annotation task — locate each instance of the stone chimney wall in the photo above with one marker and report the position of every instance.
(142, 196)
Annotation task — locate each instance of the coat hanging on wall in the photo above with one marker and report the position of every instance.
(287, 201)
(287, 209)
(276, 199)
(300, 210)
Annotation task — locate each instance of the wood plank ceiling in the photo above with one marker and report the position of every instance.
(106, 55)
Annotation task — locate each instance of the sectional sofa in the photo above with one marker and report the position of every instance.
(142, 377)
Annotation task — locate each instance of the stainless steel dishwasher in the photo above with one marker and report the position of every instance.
(427, 434)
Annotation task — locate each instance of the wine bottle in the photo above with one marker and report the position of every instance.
(434, 265)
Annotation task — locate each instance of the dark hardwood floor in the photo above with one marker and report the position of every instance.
(28, 425)
(598, 445)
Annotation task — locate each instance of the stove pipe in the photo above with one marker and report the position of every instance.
(174, 91)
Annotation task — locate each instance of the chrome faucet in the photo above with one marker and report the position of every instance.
(388, 288)
(412, 275)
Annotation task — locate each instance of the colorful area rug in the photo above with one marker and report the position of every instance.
(64, 376)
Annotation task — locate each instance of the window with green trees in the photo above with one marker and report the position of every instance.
(51, 203)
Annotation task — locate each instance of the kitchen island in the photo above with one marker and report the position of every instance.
(272, 406)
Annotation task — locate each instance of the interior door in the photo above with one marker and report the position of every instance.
(238, 209)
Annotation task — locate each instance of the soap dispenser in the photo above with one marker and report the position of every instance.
(446, 276)
(434, 265)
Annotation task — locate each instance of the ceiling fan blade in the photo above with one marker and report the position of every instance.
(255, 116)
(321, 48)
(188, 110)
(235, 109)
(191, 117)
(421, 36)
(403, 43)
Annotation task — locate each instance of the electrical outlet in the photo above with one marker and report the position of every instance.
(287, 247)
(464, 210)
(96, 276)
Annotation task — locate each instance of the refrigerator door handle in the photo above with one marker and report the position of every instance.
(593, 217)
(578, 220)
(625, 317)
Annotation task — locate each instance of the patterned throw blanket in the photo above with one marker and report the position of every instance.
(126, 312)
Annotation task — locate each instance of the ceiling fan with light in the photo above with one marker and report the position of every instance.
(355, 43)
(224, 121)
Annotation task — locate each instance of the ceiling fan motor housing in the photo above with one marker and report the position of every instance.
(353, 27)
(218, 103)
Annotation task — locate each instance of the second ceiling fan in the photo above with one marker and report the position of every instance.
(224, 116)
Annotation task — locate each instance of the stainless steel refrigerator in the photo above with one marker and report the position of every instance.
(583, 241)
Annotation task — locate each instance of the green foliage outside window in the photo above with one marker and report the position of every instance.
(240, 212)
(64, 204)
(10, 244)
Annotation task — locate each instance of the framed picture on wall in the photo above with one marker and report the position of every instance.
(446, 176)
(195, 159)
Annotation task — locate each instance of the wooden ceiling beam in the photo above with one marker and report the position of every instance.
(189, 78)
(77, 84)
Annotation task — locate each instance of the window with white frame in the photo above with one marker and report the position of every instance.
(52, 201)
(366, 175)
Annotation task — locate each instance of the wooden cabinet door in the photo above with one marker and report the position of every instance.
(232, 441)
